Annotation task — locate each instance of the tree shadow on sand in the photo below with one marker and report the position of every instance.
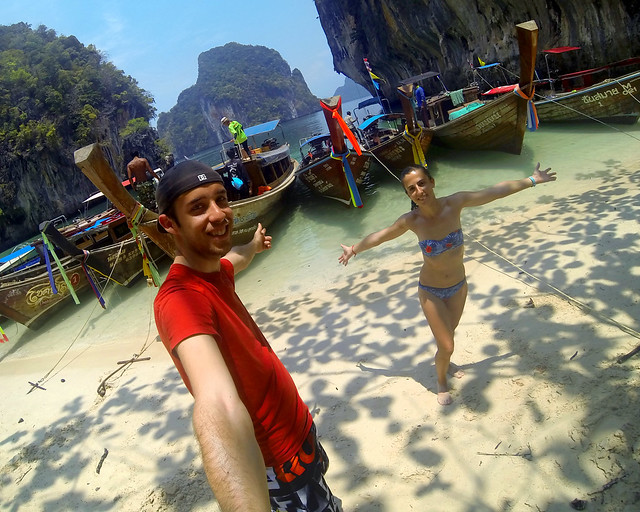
(350, 345)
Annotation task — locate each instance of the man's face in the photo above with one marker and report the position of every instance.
(205, 222)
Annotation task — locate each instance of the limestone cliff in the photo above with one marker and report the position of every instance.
(251, 84)
(403, 38)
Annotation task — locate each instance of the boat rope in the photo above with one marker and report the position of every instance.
(49, 375)
(384, 166)
(416, 147)
(627, 92)
(576, 111)
(532, 114)
(148, 266)
(351, 182)
(49, 248)
(572, 300)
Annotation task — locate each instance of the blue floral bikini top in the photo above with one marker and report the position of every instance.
(435, 247)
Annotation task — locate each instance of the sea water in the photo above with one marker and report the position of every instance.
(308, 233)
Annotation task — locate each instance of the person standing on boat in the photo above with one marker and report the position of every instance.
(140, 174)
(239, 137)
(258, 440)
(420, 97)
(442, 287)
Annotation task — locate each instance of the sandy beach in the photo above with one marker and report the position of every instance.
(544, 415)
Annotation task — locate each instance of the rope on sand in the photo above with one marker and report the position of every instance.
(588, 309)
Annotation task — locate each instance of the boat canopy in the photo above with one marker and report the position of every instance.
(368, 122)
(261, 128)
(561, 49)
(418, 78)
(314, 138)
(368, 102)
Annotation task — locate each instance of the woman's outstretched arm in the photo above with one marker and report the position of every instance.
(505, 188)
(398, 228)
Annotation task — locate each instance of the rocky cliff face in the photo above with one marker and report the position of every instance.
(403, 38)
(251, 84)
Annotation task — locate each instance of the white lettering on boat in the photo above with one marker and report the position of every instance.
(489, 121)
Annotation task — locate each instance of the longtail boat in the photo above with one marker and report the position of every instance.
(338, 173)
(606, 93)
(396, 140)
(460, 120)
(272, 172)
(102, 247)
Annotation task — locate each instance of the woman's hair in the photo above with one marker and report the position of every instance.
(415, 167)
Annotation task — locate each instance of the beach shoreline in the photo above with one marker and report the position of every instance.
(543, 416)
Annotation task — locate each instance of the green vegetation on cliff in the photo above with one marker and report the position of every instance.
(56, 95)
(252, 84)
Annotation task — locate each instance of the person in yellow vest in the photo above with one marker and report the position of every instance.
(239, 137)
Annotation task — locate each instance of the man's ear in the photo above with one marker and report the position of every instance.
(167, 223)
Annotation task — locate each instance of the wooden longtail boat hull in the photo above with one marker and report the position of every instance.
(26, 296)
(263, 209)
(326, 176)
(397, 153)
(500, 124)
(277, 172)
(612, 101)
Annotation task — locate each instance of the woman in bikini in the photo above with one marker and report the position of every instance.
(442, 287)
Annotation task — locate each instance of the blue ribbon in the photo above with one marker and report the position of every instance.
(351, 182)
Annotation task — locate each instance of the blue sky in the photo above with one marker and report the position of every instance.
(158, 42)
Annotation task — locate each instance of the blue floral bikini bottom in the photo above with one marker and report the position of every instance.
(443, 293)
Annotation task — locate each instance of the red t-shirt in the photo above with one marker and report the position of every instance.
(190, 303)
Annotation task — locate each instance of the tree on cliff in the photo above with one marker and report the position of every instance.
(252, 84)
(56, 95)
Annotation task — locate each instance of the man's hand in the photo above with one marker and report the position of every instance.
(261, 240)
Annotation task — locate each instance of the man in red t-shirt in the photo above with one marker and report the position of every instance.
(257, 438)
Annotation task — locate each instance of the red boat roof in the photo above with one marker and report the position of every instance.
(561, 49)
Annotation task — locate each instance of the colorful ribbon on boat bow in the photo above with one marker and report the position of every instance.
(48, 248)
(418, 154)
(347, 131)
(148, 267)
(532, 113)
(353, 188)
(4, 336)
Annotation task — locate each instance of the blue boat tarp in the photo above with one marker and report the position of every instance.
(465, 110)
(488, 65)
(17, 253)
(370, 121)
(261, 128)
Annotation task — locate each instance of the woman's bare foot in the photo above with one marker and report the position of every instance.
(444, 397)
(455, 371)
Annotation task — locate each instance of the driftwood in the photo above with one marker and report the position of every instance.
(104, 456)
(525, 454)
(628, 355)
(102, 388)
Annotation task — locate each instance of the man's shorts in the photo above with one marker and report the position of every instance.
(298, 485)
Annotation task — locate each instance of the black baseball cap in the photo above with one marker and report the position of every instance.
(182, 178)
